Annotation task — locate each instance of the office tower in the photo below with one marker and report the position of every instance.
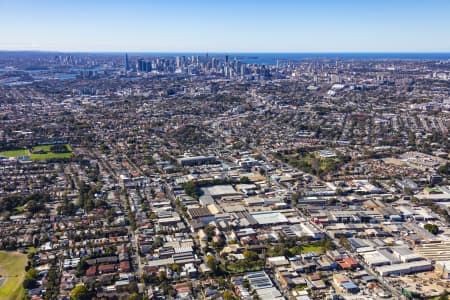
(141, 65)
(242, 70)
(148, 67)
(127, 66)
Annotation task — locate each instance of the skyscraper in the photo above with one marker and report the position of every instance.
(127, 66)
(140, 65)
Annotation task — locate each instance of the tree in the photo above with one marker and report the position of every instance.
(59, 149)
(176, 268)
(345, 243)
(167, 288)
(162, 276)
(246, 283)
(443, 296)
(210, 231)
(295, 197)
(315, 164)
(326, 243)
(445, 169)
(245, 179)
(191, 189)
(211, 263)
(80, 292)
(52, 288)
(82, 267)
(134, 296)
(227, 295)
(30, 279)
(250, 255)
(34, 206)
(432, 228)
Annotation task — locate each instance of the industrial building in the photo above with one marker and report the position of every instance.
(196, 160)
(405, 268)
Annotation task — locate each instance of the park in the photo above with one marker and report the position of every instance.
(12, 273)
(44, 152)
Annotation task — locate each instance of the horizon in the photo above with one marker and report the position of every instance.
(288, 26)
(223, 52)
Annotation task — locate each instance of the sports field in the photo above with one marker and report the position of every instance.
(14, 153)
(36, 156)
(12, 271)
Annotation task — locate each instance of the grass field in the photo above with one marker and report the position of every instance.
(35, 156)
(14, 153)
(31, 250)
(312, 248)
(12, 270)
(50, 155)
(47, 147)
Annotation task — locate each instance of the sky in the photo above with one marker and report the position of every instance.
(226, 26)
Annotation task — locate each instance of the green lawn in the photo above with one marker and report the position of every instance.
(12, 269)
(47, 147)
(14, 153)
(48, 155)
(312, 248)
(43, 147)
(31, 250)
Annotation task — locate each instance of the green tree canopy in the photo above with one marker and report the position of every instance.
(80, 292)
(432, 228)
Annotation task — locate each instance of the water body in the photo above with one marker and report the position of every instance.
(271, 58)
(58, 76)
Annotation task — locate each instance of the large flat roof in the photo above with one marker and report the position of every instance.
(269, 217)
(221, 190)
(404, 267)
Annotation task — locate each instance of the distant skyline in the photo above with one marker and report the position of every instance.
(225, 26)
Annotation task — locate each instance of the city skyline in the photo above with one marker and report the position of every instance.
(198, 26)
(187, 150)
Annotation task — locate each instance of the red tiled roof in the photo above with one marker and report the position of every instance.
(125, 266)
(106, 268)
(347, 263)
(91, 271)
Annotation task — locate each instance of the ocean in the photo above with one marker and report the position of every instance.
(271, 58)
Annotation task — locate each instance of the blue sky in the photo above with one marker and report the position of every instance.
(226, 26)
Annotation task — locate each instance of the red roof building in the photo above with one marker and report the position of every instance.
(106, 268)
(347, 263)
(92, 271)
(125, 266)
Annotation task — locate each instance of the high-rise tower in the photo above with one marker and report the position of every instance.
(127, 66)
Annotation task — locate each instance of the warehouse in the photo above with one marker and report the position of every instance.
(222, 192)
(375, 259)
(405, 268)
(269, 217)
(196, 160)
(405, 254)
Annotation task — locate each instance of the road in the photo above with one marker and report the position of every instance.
(126, 202)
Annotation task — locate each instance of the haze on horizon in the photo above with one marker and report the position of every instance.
(226, 26)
